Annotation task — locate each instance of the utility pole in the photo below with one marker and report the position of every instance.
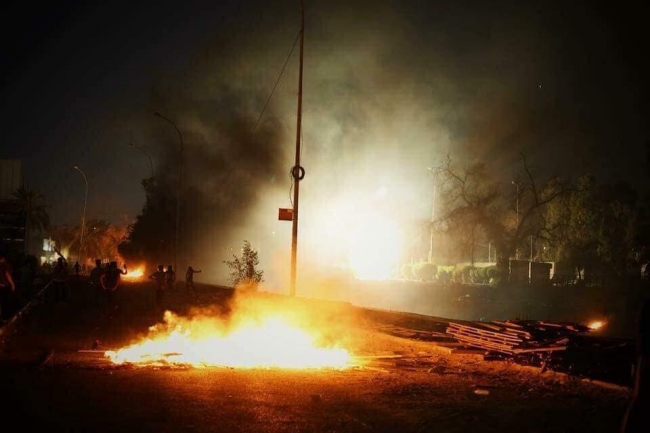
(297, 171)
(179, 190)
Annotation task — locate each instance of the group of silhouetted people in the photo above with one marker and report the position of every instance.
(165, 281)
(107, 280)
(104, 279)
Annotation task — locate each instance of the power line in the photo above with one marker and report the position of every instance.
(276, 82)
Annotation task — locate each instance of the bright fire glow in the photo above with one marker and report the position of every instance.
(134, 274)
(374, 248)
(268, 343)
(596, 324)
(362, 236)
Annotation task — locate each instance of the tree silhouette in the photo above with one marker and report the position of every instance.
(471, 200)
(242, 269)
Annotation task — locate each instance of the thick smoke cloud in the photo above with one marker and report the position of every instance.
(390, 87)
(388, 90)
(229, 166)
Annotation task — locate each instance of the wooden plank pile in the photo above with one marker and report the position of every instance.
(514, 337)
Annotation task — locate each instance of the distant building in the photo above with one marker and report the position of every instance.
(13, 221)
(48, 254)
(12, 217)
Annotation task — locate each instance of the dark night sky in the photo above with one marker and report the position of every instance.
(387, 84)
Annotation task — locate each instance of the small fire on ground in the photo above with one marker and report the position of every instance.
(596, 324)
(134, 274)
(269, 342)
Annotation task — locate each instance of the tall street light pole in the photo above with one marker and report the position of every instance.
(146, 153)
(83, 215)
(179, 189)
(297, 171)
(434, 171)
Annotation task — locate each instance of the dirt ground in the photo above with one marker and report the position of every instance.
(55, 380)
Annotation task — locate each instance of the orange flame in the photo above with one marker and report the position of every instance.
(269, 343)
(596, 324)
(134, 274)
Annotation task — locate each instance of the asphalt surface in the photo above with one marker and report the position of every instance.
(53, 375)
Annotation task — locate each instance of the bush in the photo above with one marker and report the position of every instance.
(494, 276)
(425, 271)
(457, 275)
(466, 275)
(443, 276)
(406, 272)
(242, 269)
(478, 275)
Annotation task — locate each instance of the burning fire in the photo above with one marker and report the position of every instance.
(134, 274)
(271, 342)
(361, 234)
(374, 248)
(596, 324)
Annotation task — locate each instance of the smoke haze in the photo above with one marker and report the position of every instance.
(389, 89)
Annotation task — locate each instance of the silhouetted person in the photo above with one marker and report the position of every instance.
(76, 268)
(110, 281)
(189, 280)
(7, 289)
(59, 279)
(637, 417)
(170, 278)
(96, 273)
(158, 278)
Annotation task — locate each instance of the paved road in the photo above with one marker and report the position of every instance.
(50, 384)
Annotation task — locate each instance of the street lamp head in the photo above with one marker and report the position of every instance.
(76, 167)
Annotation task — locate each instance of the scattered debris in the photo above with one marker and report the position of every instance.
(552, 346)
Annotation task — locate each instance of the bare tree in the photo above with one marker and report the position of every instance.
(471, 198)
